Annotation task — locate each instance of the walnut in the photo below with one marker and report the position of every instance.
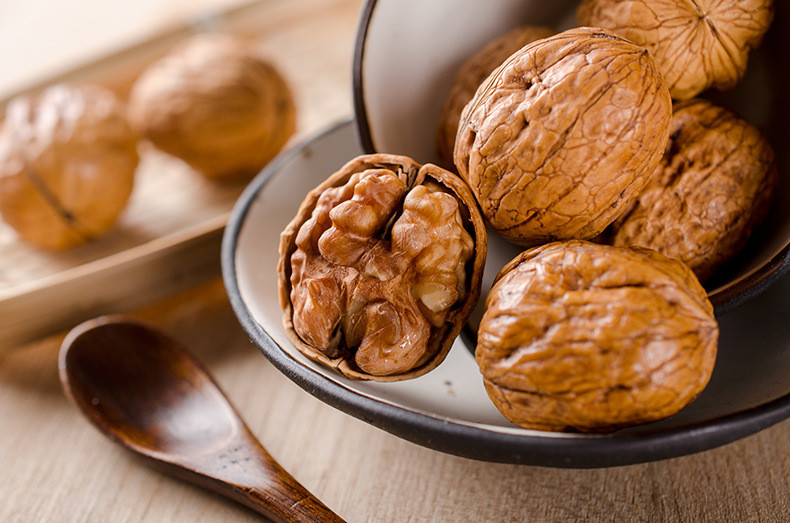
(713, 185)
(592, 338)
(562, 136)
(214, 103)
(381, 267)
(469, 77)
(697, 44)
(67, 164)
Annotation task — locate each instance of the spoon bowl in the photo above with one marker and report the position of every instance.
(147, 393)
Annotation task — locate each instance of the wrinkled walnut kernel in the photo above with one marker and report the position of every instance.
(697, 44)
(431, 234)
(564, 135)
(713, 185)
(383, 268)
(592, 338)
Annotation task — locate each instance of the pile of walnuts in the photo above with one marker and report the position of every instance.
(570, 146)
(68, 156)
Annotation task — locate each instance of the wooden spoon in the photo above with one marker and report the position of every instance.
(145, 391)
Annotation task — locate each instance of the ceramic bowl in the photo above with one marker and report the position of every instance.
(448, 408)
(408, 52)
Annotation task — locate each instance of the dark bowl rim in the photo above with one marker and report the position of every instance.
(724, 299)
(462, 439)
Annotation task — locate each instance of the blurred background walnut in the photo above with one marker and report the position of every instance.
(564, 135)
(471, 75)
(713, 185)
(696, 44)
(67, 163)
(592, 338)
(381, 268)
(214, 103)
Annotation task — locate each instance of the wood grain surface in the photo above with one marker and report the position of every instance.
(55, 466)
(168, 237)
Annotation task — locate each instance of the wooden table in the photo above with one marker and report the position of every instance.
(57, 467)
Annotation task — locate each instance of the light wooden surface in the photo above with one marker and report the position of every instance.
(54, 466)
(168, 237)
(57, 467)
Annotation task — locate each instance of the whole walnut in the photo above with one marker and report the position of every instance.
(697, 44)
(381, 267)
(214, 103)
(67, 164)
(564, 135)
(583, 337)
(713, 185)
(469, 77)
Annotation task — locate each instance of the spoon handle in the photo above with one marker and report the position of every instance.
(282, 498)
(243, 471)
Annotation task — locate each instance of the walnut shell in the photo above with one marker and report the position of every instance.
(714, 184)
(591, 338)
(469, 77)
(562, 136)
(381, 267)
(697, 44)
(214, 103)
(67, 164)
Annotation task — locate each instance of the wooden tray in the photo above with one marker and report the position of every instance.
(168, 238)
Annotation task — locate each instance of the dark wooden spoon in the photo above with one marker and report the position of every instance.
(145, 391)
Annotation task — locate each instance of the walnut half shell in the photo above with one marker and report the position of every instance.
(591, 338)
(381, 267)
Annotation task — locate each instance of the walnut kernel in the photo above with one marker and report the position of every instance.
(381, 267)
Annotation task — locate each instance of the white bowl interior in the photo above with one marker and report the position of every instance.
(413, 48)
(754, 355)
(454, 390)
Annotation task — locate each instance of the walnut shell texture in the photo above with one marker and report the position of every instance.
(214, 103)
(469, 77)
(563, 135)
(381, 268)
(67, 164)
(591, 338)
(713, 185)
(697, 43)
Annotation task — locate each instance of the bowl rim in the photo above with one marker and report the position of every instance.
(458, 438)
(723, 298)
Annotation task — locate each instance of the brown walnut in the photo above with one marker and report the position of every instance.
(713, 185)
(469, 77)
(696, 43)
(563, 135)
(67, 164)
(591, 338)
(381, 267)
(214, 103)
